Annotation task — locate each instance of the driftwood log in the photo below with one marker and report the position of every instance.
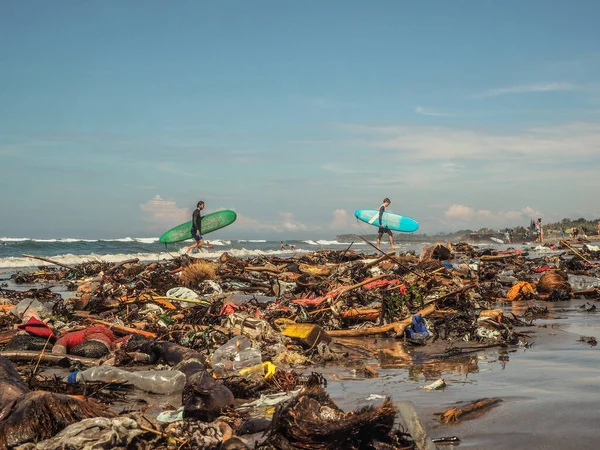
(396, 327)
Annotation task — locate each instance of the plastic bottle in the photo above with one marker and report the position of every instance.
(235, 355)
(155, 381)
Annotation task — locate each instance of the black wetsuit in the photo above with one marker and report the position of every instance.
(197, 224)
(381, 228)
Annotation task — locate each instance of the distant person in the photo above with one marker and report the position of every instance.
(539, 230)
(196, 228)
(599, 228)
(382, 229)
(562, 232)
(281, 245)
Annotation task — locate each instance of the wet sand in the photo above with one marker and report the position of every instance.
(549, 391)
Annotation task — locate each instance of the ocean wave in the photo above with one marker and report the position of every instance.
(324, 242)
(70, 259)
(241, 241)
(16, 262)
(142, 240)
(150, 240)
(309, 242)
(218, 242)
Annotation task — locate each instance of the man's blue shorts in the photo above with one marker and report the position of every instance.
(197, 237)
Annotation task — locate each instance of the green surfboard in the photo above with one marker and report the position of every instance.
(210, 222)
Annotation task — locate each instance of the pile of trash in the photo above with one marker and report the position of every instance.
(236, 341)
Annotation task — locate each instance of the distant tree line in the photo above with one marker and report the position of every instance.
(585, 226)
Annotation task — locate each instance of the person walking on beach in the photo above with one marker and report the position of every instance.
(539, 230)
(382, 229)
(196, 228)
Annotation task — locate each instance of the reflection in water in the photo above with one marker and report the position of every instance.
(428, 362)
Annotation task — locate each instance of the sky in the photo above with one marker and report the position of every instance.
(116, 117)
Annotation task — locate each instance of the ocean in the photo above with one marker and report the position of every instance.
(73, 251)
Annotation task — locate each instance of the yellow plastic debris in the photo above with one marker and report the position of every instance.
(269, 369)
(256, 371)
(307, 334)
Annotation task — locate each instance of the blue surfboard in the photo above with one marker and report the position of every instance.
(392, 221)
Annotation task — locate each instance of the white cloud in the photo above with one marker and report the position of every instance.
(462, 215)
(527, 88)
(425, 143)
(164, 213)
(342, 221)
(286, 223)
(430, 112)
(321, 102)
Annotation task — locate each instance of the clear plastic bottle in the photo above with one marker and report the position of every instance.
(235, 355)
(155, 381)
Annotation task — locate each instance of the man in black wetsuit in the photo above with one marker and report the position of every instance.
(196, 228)
(382, 229)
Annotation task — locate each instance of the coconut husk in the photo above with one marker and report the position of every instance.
(437, 251)
(553, 280)
(430, 265)
(196, 273)
(39, 415)
(311, 420)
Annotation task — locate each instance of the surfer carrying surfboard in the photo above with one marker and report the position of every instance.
(382, 229)
(196, 227)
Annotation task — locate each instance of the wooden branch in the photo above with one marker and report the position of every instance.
(49, 261)
(262, 269)
(576, 252)
(123, 330)
(392, 258)
(378, 260)
(362, 283)
(6, 336)
(485, 258)
(397, 327)
(122, 263)
(30, 356)
(453, 415)
(362, 314)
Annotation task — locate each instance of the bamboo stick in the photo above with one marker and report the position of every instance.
(576, 252)
(29, 355)
(123, 330)
(49, 260)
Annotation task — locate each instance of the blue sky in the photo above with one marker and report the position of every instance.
(117, 117)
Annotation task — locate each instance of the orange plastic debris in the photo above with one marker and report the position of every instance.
(520, 291)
